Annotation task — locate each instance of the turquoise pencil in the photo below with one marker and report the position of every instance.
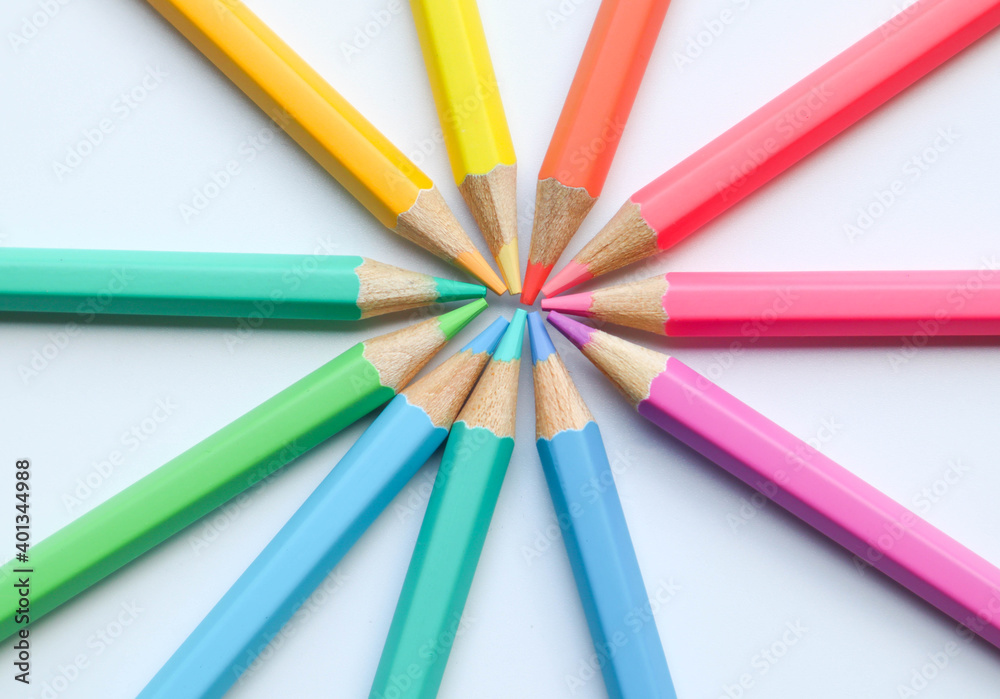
(454, 529)
(600, 549)
(215, 284)
(323, 529)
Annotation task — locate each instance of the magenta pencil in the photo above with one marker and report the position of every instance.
(825, 495)
(751, 304)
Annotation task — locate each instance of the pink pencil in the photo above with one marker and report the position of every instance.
(781, 133)
(863, 520)
(752, 304)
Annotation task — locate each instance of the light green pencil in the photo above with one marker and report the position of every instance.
(228, 462)
(215, 284)
(454, 529)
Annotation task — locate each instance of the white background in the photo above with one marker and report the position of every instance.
(730, 576)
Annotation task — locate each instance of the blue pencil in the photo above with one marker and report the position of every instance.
(596, 535)
(323, 529)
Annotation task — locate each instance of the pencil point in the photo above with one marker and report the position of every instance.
(509, 348)
(574, 331)
(569, 276)
(487, 340)
(476, 265)
(541, 343)
(451, 290)
(509, 262)
(534, 276)
(574, 304)
(453, 321)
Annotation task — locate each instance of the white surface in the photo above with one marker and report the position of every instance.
(731, 589)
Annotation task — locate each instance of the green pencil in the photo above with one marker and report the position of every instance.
(228, 285)
(227, 463)
(454, 529)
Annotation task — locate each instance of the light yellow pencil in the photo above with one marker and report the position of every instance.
(472, 118)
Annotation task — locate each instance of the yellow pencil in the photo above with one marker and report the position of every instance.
(333, 132)
(472, 118)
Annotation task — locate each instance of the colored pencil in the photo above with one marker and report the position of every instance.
(781, 133)
(594, 530)
(322, 122)
(230, 285)
(475, 128)
(782, 304)
(589, 128)
(454, 529)
(866, 522)
(228, 462)
(323, 529)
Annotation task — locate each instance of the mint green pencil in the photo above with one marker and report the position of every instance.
(227, 285)
(454, 529)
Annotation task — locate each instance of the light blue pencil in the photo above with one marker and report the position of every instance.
(323, 529)
(597, 540)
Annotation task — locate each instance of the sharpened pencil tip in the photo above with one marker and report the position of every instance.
(534, 276)
(476, 265)
(509, 348)
(451, 290)
(453, 321)
(509, 262)
(574, 304)
(487, 340)
(574, 331)
(569, 276)
(541, 344)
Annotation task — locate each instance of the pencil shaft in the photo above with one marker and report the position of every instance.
(428, 614)
(297, 98)
(818, 108)
(316, 287)
(880, 531)
(306, 549)
(199, 480)
(602, 93)
(464, 85)
(604, 564)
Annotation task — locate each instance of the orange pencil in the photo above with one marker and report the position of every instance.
(589, 128)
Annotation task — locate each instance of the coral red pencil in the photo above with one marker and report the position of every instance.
(589, 128)
(781, 133)
(868, 523)
(782, 304)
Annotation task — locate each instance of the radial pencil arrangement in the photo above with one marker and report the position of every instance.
(196, 313)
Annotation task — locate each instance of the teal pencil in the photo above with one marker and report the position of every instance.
(453, 531)
(212, 284)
